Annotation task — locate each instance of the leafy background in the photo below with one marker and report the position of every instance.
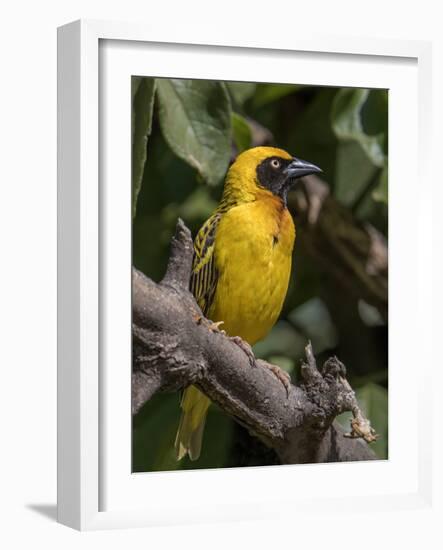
(184, 135)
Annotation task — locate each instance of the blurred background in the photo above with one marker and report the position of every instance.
(185, 134)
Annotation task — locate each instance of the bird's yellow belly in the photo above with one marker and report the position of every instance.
(254, 265)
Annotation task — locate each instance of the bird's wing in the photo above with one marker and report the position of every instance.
(204, 272)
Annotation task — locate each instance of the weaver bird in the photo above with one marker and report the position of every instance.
(242, 263)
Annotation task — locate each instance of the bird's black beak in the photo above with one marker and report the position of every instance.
(298, 168)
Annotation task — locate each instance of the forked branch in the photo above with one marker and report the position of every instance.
(172, 348)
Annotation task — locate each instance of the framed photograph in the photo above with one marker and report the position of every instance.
(228, 216)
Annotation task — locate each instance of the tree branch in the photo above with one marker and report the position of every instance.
(174, 347)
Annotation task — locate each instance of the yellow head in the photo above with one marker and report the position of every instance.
(264, 170)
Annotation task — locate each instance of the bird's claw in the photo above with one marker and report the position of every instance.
(246, 348)
(213, 327)
(282, 375)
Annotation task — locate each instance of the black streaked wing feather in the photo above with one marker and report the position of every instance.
(204, 272)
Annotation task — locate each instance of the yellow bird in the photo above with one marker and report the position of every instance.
(242, 263)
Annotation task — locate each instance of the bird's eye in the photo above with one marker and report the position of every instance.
(275, 163)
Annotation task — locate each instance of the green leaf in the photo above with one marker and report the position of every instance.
(360, 156)
(354, 172)
(285, 363)
(268, 93)
(373, 400)
(241, 132)
(143, 91)
(153, 447)
(374, 114)
(197, 207)
(370, 315)
(283, 340)
(380, 193)
(240, 91)
(195, 118)
(310, 135)
(312, 318)
(135, 84)
(347, 123)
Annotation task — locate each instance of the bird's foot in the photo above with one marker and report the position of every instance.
(282, 375)
(246, 348)
(213, 327)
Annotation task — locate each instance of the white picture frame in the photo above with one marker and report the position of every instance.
(95, 486)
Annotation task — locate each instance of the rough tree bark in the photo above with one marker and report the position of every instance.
(174, 346)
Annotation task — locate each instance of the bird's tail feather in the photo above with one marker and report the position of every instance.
(189, 436)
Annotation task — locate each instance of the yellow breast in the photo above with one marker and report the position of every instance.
(253, 251)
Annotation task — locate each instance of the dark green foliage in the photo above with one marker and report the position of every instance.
(154, 433)
(143, 90)
(240, 92)
(195, 120)
(241, 132)
(184, 133)
(268, 93)
(360, 154)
